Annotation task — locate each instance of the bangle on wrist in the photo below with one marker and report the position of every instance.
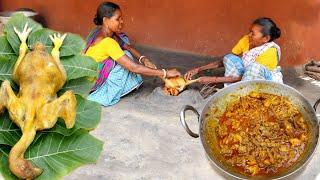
(164, 73)
(141, 57)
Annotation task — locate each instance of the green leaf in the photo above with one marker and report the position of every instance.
(6, 68)
(6, 52)
(7, 59)
(42, 36)
(88, 114)
(4, 164)
(18, 20)
(88, 117)
(9, 132)
(72, 45)
(79, 66)
(58, 155)
(81, 86)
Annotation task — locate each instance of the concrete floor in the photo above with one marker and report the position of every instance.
(143, 137)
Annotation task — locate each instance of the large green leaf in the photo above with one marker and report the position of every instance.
(4, 164)
(6, 68)
(88, 114)
(88, 117)
(18, 20)
(6, 52)
(41, 35)
(7, 59)
(58, 155)
(9, 132)
(72, 45)
(79, 66)
(81, 86)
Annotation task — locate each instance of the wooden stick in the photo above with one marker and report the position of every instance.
(313, 69)
(314, 75)
(317, 63)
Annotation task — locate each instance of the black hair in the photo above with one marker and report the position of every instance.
(269, 28)
(105, 9)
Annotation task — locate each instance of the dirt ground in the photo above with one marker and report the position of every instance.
(143, 137)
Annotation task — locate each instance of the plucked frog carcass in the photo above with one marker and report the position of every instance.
(36, 106)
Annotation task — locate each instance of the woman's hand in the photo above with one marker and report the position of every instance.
(149, 64)
(173, 73)
(207, 80)
(191, 73)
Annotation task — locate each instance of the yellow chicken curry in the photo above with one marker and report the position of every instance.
(259, 135)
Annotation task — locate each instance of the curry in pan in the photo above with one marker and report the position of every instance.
(259, 134)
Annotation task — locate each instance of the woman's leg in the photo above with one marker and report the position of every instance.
(233, 66)
(119, 83)
(277, 75)
(134, 81)
(257, 71)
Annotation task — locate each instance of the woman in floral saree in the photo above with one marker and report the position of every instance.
(255, 56)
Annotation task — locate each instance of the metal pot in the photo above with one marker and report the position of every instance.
(5, 16)
(219, 102)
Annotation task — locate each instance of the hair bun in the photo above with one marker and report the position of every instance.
(97, 21)
(276, 32)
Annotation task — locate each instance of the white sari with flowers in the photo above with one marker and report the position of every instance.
(247, 67)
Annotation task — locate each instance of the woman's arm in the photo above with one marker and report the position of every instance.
(213, 65)
(142, 59)
(140, 69)
(215, 80)
(133, 51)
